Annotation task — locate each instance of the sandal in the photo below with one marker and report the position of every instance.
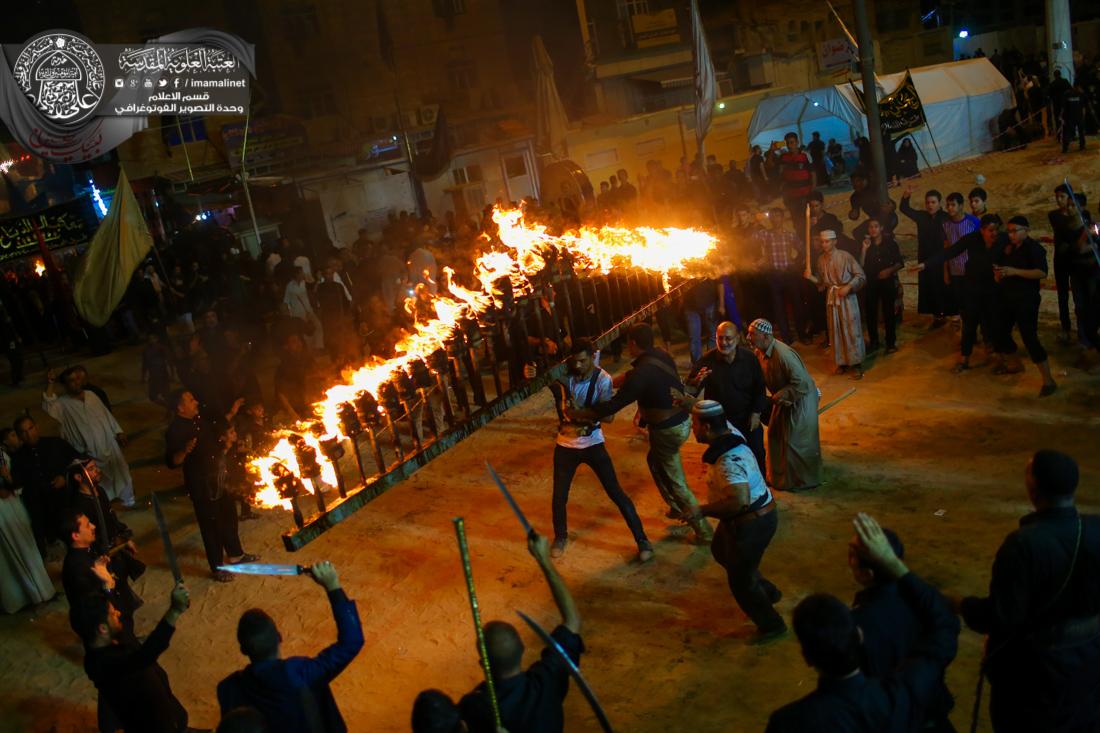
(960, 368)
(243, 559)
(223, 576)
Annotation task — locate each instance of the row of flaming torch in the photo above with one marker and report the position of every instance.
(598, 276)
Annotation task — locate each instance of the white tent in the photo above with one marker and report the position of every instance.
(962, 101)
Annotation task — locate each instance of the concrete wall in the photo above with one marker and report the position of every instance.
(604, 149)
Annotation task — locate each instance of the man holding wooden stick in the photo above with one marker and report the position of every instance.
(529, 700)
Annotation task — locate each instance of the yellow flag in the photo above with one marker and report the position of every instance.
(119, 246)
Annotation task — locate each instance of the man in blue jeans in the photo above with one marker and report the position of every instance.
(581, 442)
(293, 694)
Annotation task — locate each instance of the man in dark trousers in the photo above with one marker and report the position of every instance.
(529, 701)
(881, 260)
(888, 628)
(932, 292)
(731, 376)
(1073, 117)
(976, 285)
(39, 468)
(650, 383)
(816, 148)
(197, 445)
(1042, 614)
(126, 673)
(846, 699)
(293, 694)
(1019, 265)
(740, 500)
(1065, 225)
(577, 444)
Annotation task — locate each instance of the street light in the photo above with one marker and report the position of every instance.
(964, 33)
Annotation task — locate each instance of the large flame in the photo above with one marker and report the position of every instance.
(520, 252)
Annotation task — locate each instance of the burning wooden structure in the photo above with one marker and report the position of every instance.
(464, 364)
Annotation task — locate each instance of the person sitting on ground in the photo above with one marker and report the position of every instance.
(127, 673)
(845, 698)
(293, 694)
(531, 700)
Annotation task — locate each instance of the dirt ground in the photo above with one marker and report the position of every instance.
(935, 456)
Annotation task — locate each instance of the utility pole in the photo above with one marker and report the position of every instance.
(870, 97)
(1059, 39)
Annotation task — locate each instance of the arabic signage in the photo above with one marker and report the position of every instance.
(65, 225)
(655, 29)
(836, 53)
(69, 100)
(273, 141)
(901, 111)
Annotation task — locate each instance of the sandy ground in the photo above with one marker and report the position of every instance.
(937, 457)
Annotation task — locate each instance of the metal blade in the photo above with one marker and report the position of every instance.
(508, 498)
(263, 568)
(574, 672)
(166, 539)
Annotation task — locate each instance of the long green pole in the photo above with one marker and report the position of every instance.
(464, 550)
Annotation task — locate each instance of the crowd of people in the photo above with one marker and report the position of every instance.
(795, 274)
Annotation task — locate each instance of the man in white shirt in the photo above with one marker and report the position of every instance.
(739, 498)
(582, 443)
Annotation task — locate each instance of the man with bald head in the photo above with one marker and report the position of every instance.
(731, 376)
(531, 700)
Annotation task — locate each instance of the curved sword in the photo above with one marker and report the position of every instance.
(574, 672)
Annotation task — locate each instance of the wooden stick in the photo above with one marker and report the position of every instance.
(464, 551)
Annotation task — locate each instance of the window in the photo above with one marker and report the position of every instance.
(601, 159)
(792, 30)
(463, 77)
(469, 174)
(449, 8)
(515, 166)
(629, 8)
(647, 148)
(317, 101)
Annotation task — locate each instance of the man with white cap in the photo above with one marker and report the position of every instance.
(840, 276)
(794, 446)
(739, 499)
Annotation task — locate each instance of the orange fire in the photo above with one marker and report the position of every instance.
(519, 254)
(39, 268)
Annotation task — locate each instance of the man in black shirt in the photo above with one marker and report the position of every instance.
(1018, 267)
(881, 259)
(1066, 228)
(39, 468)
(932, 292)
(846, 699)
(978, 291)
(86, 571)
(196, 444)
(126, 673)
(888, 627)
(529, 701)
(1043, 652)
(816, 148)
(651, 383)
(731, 375)
(1073, 117)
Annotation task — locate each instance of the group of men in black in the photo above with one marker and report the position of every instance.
(999, 286)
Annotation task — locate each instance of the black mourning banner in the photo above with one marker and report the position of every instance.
(65, 225)
(901, 111)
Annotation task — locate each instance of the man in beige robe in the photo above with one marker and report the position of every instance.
(794, 446)
(841, 277)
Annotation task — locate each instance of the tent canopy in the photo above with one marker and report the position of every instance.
(962, 101)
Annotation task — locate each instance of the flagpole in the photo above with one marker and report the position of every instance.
(244, 182)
